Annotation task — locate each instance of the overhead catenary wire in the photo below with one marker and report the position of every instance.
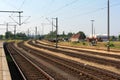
(22, 4)
(64, 6)
(9, 4)
(96, 10)
(49, 4)
(82, 14)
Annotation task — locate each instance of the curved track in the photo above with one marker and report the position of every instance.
(29, 70)
(80, 50)
(77, 69)
(82, 56)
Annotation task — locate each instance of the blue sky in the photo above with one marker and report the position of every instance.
(73, 15)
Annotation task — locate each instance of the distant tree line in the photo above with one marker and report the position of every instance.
(10, 35)
(52, 35)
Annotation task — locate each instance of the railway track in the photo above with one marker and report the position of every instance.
(82, 56)
(78, 69)
(64, 46)
(28, 69)
(80, 50)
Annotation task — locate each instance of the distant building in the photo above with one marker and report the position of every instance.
(102, 37)
(77, 37)
(98, 37)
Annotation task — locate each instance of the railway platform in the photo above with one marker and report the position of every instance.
(4, 70)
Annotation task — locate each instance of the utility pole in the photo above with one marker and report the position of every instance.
(52, 29)
(56, 29)
(14, 31)
(56, 32)
(6, 35)
(36, 32)
(6, 27)
(28, 32)
(42, 29)
(94, 32)
(92, 27)
(19, 18)
(108, 12)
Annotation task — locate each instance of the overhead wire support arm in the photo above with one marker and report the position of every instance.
(15, 12)
(51, 22)
(12, 11)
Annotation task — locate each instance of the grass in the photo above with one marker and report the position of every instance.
(114, 44)
(13, 41)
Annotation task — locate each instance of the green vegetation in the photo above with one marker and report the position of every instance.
(113, 44)
(19, 36)
(52, 35)
(82, 34)
(64, 40)
(119, 37)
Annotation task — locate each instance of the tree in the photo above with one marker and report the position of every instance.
(9, 35)
(113, 38)
(51, 35)
(119, 37)
(69, 34)
(82, 34)
(63, 35)
(21, 36)
(1, 36)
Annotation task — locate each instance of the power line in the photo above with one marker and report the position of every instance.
(87, 3)
(9, 4)
(99, 9)
(66, 5)
(114, 5)
(48, 4)
(22, 4)
(13, 6)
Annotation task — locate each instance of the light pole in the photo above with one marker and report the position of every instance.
(108, 12)
(92, 27)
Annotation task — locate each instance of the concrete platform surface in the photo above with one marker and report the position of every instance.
(4, 70)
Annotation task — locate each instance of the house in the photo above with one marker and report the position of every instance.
(76, 38)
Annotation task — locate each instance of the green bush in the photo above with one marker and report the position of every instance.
(111, 45)
(84, 43)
